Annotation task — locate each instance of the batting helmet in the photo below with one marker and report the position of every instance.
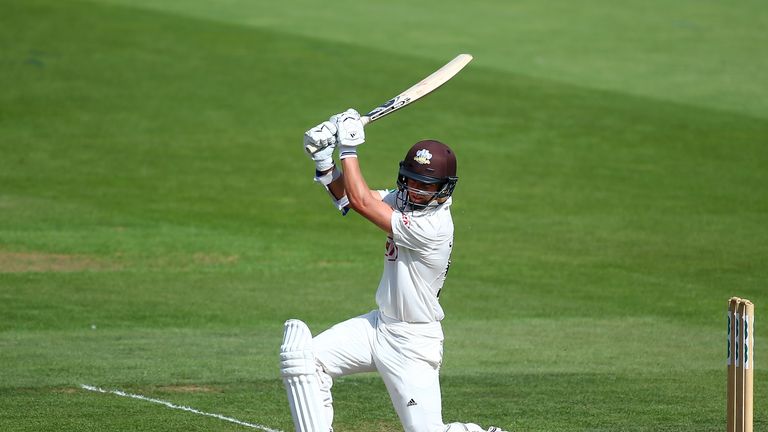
(429, 162)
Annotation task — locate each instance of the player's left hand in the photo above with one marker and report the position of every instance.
(319, 143)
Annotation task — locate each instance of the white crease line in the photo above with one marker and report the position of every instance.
(178, 407)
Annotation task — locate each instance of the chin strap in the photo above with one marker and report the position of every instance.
(404, 203)
(342, 204)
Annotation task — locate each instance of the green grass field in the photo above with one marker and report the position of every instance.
(159, 222)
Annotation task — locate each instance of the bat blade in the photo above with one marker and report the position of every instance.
(420, 89)
(412, 94)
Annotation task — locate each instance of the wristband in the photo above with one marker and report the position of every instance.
(347, 151)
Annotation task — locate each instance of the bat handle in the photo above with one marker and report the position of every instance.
(365, 120)
(309, 148)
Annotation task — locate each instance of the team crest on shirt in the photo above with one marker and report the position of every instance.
(390, 250)
(423, 156)
(406, 219)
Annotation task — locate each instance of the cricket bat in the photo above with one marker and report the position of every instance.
(414, 93)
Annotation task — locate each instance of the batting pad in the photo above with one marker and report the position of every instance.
(297, 367)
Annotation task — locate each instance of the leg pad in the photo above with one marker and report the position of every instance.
(299, 372)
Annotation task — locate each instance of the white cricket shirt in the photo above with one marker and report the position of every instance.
(416, 261)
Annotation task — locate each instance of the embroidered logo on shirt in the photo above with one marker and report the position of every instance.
(411, 403)
(390, 250)
(423, 156)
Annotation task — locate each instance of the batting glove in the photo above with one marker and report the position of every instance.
(319, 143)
(350, 132)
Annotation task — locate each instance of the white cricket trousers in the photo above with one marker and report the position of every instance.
(406, 355)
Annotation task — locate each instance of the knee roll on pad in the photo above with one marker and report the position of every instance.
(296, 356)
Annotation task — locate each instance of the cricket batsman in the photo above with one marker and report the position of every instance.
(403, 339)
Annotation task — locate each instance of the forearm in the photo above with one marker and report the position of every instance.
(354, 184)
(336, 187)
(333, 182)
(363, 200)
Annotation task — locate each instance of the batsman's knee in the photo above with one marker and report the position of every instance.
(296, 356)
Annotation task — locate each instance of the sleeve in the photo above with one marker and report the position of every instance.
(388, 196)
(416, 233)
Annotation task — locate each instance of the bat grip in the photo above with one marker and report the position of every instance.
(365, 120)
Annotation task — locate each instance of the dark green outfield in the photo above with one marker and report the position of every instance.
(158, 221)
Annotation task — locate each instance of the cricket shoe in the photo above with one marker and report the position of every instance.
(469, 427)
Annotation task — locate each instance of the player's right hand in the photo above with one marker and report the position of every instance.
(350, 128)
(319, 143)
(350, 132)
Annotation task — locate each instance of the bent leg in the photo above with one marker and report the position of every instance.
(415, 394)
(343, 349)
(408, 357)
(346, 348)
